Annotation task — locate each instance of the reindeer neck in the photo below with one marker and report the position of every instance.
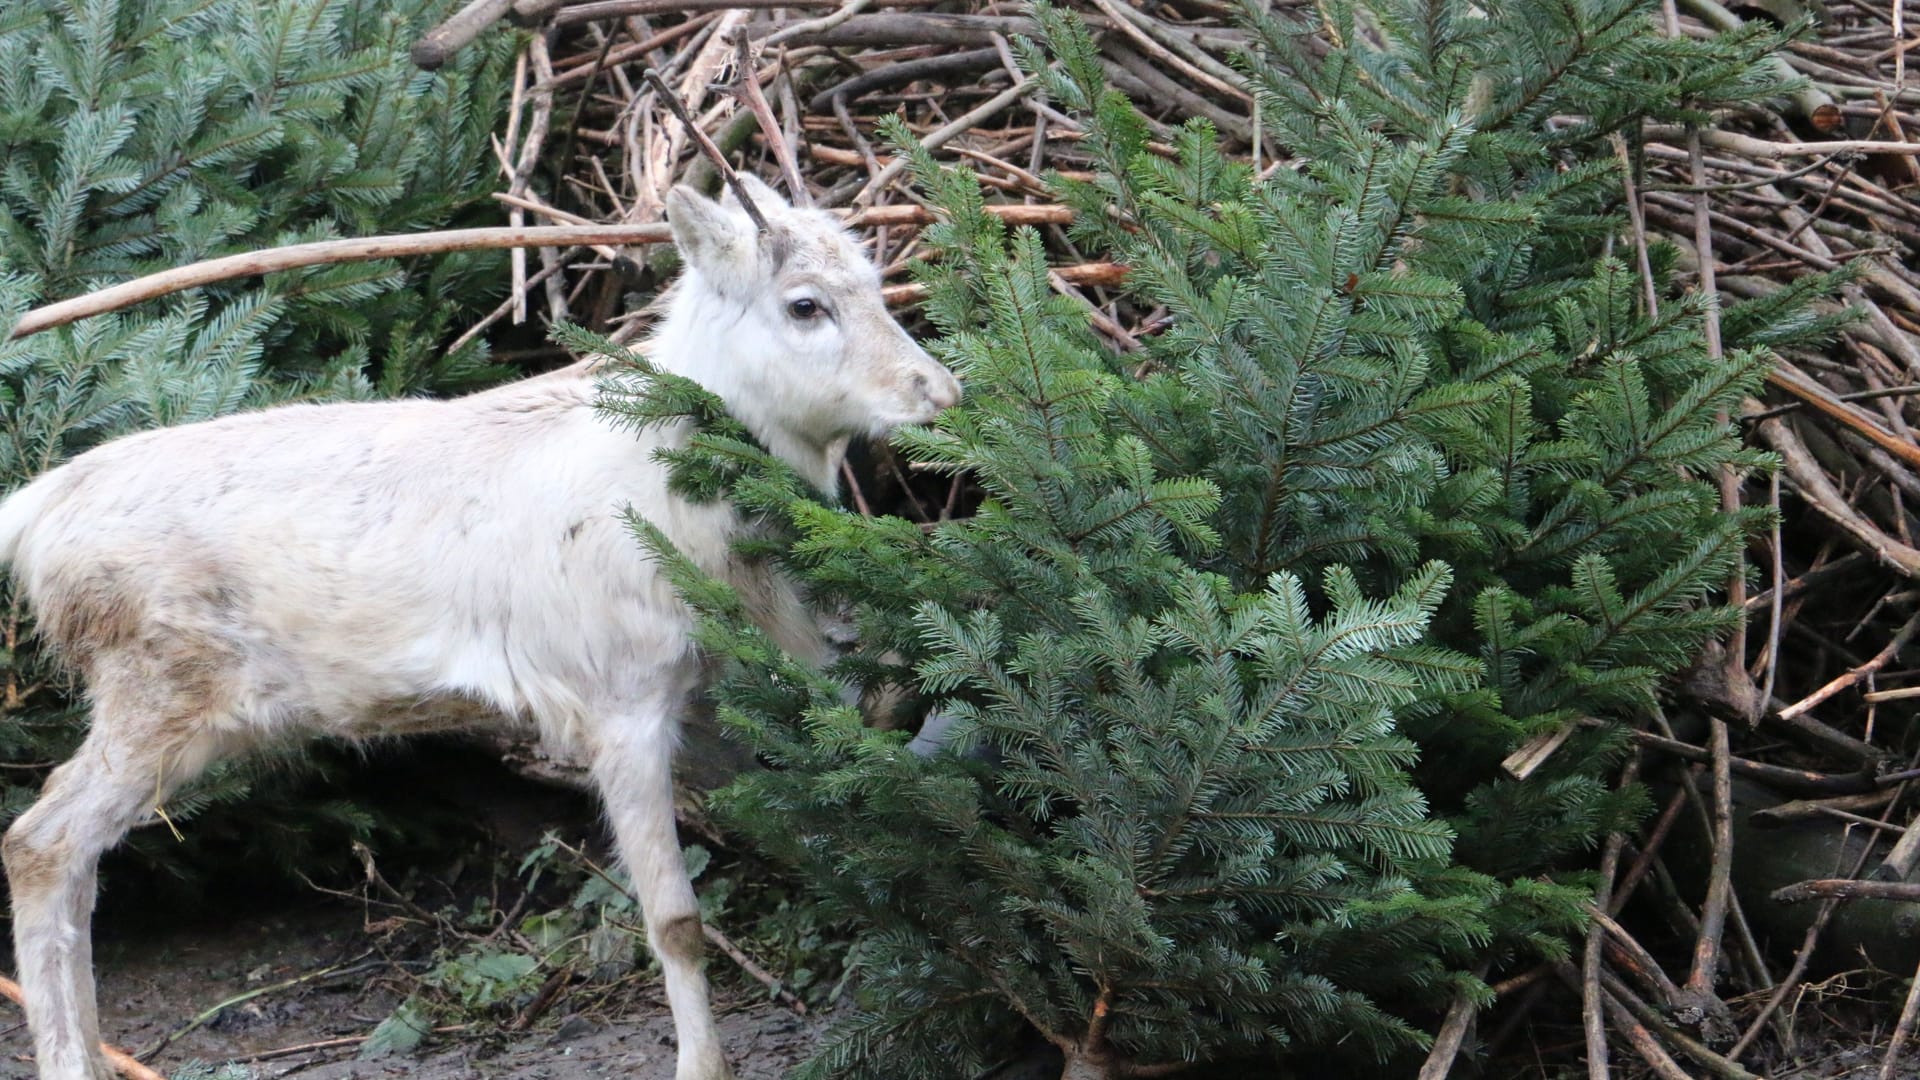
(683, 345)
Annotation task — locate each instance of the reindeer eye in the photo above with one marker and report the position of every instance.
(804, 308)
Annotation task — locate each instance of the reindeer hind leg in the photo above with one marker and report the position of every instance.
(129, 762)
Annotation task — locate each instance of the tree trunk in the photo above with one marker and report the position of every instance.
(1084, 1066)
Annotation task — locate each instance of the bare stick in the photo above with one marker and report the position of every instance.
(1707, 948)
(1714, 1063)
(820, 25)
(1904, 1029)
(1530, 755)
(1899, 862)
(1166, 56)
(1096, 273)
(1593, 1018)
(1849, 889)
(769, 126)
(1796, 382)
(521, 174)
(449, 37)
(620, 9)
(1713, 912)
(707, 146)
(1818, 489)
(531, 12)
(336, 971)
(326, 252)
(1774, 613)
(329, 1044)
(1764, 150)
(1649, 1048)
(746, 964)
(940, 65)
(1636, 216)
(539, 206)
(941, 136)
(1629, 955)
(1853, 676)
(631, 51)
(1453, 1031)
(517, 258)
(122, 1061)
(1800, 959)
(506, 306)
(1010, 213)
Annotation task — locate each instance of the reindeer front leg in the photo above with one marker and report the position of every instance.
(632, 766)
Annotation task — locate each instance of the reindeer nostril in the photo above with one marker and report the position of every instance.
(944, 393)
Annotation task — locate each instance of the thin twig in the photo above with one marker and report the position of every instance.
(746, 963)
(1593, 1019)
(1853, 676)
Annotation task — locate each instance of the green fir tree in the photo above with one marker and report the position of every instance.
(1244, 625)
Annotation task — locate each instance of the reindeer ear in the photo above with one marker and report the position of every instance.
(717, 241)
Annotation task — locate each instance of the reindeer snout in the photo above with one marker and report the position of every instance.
(943, 390)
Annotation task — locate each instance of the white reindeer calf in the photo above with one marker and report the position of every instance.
(379, 568)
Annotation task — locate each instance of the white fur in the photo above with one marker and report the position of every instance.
(367, 569)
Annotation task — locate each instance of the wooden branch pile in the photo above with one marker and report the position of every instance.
(591, 141)
(1801, 728)
(1791, 791)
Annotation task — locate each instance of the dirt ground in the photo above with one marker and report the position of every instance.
(158, 982)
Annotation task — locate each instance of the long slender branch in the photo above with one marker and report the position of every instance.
(1749, 147)
(359, 249)
(1848, 889)
(322, 253)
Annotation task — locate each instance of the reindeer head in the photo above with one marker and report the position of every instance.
(789, 328)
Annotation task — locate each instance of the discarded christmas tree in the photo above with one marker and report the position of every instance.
(1204, 612)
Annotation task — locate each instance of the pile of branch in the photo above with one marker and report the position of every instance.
(802, 94)
(1806, 795)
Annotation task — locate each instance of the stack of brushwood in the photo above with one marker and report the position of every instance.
(1781, 853)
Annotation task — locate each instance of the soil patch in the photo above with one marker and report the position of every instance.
(156, 982)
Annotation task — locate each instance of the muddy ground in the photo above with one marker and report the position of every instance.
(156, 982)
(164, 962)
